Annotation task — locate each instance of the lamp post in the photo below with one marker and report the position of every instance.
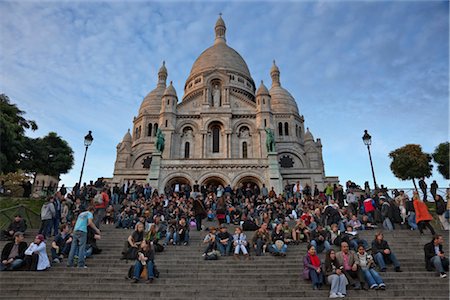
(367, 139)
(87, 142)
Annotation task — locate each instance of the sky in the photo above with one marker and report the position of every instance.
(376, 65)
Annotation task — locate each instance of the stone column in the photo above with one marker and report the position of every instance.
(153, 174)
(275, 179)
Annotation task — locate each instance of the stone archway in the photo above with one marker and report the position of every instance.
(171, 184)
(244, 181)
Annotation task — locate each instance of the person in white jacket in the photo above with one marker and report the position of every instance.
(36, 258)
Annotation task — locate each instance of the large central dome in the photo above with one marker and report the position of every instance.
(217, 57)
(220, 56)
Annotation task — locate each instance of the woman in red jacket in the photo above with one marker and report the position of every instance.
(423, 216)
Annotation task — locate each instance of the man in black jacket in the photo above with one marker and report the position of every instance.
(382, 253)
(13, 253)
(17, 225)
(434, 256)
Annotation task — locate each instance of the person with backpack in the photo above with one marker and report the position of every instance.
(386, 214)
(47, 214)
(101, 203)
(440, 210)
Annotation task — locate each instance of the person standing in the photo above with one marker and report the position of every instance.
(79, 238)
(423, 187)
(199, 211)
(433, 188)
(100, 208)
(47, 215)
(423, 216)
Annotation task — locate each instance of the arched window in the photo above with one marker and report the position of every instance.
(136, 133)
(187, 149)
(139, 134)
(265, 123)
(280, 129)
(166, 123)
(149, 129)
(215, 140)
(155, 129)
(296, 130)
(244, 150)
(286, 128)
(264, 101)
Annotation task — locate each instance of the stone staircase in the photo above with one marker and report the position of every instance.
(185, 275)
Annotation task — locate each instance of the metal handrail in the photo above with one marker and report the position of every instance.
(19, 208)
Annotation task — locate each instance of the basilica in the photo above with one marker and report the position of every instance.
(221, 130)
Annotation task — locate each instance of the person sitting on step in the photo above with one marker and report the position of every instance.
(133, 242)
(261, 239)
(61, 244)
(335, 276)
(13, 253)
(36, 258)
(320, 239)
(367, 265)
(382, 253)
(347, 258)
(279, 246)
(181, 234)
(240, 243)
(301, 232)
(17, 225)
(145, 257)
(210, 240)
(351, 236)
(312, 268)
(224, 240)
(434, 256)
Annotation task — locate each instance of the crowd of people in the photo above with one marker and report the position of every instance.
(326, 220)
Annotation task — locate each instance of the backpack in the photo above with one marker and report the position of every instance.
(211, 256)
(98, 199)
(143, 273)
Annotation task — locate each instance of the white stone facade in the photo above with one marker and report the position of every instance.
(216, 134)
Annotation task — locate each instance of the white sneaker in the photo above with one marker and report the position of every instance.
(334, 295)
(443, 275)
(340, 295)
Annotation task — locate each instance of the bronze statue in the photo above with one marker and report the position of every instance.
(270, 141)
(160, 141)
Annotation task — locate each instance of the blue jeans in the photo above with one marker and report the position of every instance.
(56, 222)
(316, 278)
(379, 259)
(78, 248)
(259, 247)
(387, 224)
(46, 227)
(325, 246)
(276, 250)
(115, 199)
(17, 263)
(138, 267)
(170, 235)
(177, 237)
(224, 249)
(372, 277)
(412, 220)
(64, 251)
(439, 264)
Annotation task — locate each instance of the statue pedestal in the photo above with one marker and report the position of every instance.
(275, 179)
(153, 174)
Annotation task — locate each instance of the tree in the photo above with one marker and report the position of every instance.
(12, 134)
(409, 162)
(441, 157)
(50, 155)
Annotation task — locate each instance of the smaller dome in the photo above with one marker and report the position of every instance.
(170, 91)
(127, 137)
(262, 90)
(308, 136)
(282, 100)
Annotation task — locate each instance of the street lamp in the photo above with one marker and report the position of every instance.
(367, 139)
(87, 142)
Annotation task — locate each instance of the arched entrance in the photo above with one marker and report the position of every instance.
(176, 184)
(213, 182)
(248, 180)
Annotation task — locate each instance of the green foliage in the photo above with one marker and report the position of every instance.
(12, 133)
(409, 162)
(441, 157)
(13, 182)
(50, 155)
